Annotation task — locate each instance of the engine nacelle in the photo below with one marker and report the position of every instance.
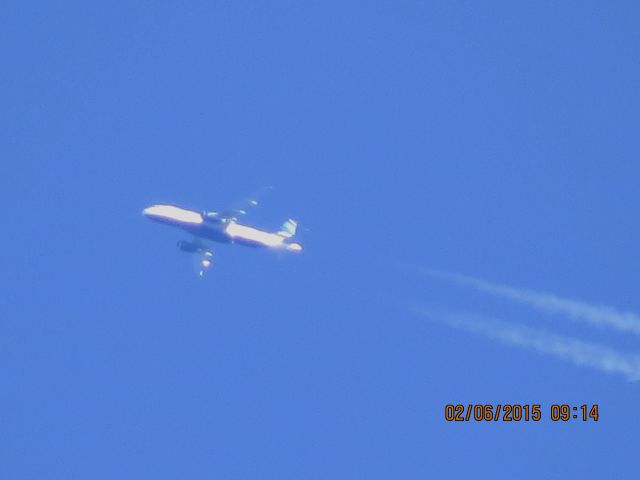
(188, 246)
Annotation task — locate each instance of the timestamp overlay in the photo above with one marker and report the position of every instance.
(521, 412)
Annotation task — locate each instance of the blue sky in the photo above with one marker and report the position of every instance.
(496, 140)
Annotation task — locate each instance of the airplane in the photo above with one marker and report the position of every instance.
(222, 227)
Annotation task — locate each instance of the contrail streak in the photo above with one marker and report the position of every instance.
(569, 349)
(596, 315)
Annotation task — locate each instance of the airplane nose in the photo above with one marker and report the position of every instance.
(146, 211)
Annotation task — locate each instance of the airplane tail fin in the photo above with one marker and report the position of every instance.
(288, 228)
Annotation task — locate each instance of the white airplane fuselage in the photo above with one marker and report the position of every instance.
(223, 230)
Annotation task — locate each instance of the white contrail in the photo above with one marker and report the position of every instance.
(570, 349)
(597, 315)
